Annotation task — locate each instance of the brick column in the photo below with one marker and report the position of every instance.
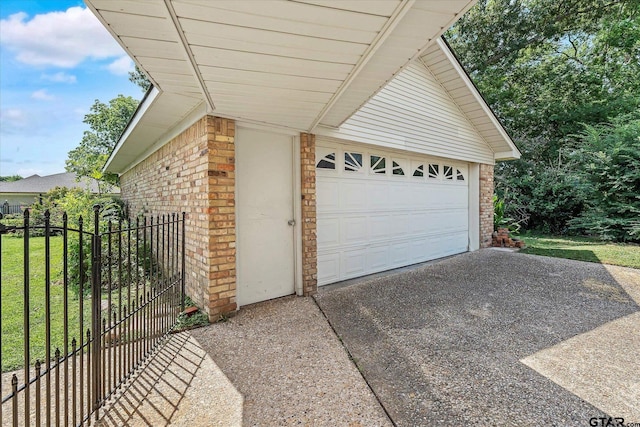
(486, 205)
(222, 216)
(309, 237)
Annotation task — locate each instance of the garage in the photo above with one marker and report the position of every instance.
(380, 209)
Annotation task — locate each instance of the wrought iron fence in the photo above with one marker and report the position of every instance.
(103, 301)
(7, 209)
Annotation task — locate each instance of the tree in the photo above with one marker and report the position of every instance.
(610, 158)
(10, 178)
(139, 78)
(107, 123)
(547, 68)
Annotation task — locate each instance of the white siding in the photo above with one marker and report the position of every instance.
(415, 113)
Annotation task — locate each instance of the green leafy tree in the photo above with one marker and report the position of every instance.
(10, 178)
(106, 122)
(610, 158)
(547, 67)
(139, 78)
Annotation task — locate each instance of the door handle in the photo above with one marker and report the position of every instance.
(291, 222)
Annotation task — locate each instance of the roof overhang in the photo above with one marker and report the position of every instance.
(294, 64)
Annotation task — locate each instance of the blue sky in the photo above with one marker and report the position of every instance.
(56, 59)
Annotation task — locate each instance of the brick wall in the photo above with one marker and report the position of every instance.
(309, 237)
(486, 205)
(195, 173)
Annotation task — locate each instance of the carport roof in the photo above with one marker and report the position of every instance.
(291, 64)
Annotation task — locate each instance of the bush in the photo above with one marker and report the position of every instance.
(543, 197)
(78, 204)
(499, 218)
(609, 155)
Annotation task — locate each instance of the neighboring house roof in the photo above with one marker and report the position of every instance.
(296, 65)
(36, 184)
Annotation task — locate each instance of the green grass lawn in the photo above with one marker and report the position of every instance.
(13, 301)
(582, 249)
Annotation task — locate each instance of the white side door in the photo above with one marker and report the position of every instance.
(264, 181)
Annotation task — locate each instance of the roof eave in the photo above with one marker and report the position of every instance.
(511, 151)
(146, 102)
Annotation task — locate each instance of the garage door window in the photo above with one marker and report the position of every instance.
(434, 171)
(460, 176)
(352, 162)
(327, 162)
(378, 165)
(448, 173)
(419, 171)
(397, 168)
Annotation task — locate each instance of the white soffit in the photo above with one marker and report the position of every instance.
(443, 64)
(286, 63)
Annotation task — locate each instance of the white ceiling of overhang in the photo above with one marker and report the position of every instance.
(295, 64)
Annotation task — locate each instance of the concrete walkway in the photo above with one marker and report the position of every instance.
(276, 363)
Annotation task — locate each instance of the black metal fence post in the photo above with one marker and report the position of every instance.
(27, 358)
(96, 311)
(184, 260)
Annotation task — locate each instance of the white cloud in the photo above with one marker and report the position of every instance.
(12, 119)
(121, 66)
(42, 95)
(61, 39)
(60, 77)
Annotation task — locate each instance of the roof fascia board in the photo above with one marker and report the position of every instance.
(189, 54)
(444, 46)
(117, 39)
(507, 155)
(386, 31)
(198, 112)
(144, 105)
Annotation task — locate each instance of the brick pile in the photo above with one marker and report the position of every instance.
(502, 239)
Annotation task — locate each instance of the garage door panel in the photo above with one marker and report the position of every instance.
(449, 196)
(353, 195)
(400, 225)
(327, 191)
(329, 264)
(418, 250)
(379, 226)
(378, 195)
(445, 221)
(377, 258)
(370, 222)
(354, 230)
(400, 196)
(398, 254)
(420, 222)
(328, 233)
(456, 243)
(419, 198)
(353, 263)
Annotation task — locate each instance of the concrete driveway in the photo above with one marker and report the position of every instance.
(496, 338)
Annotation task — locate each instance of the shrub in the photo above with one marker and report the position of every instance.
(609, 155)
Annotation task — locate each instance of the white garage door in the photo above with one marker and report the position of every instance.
(378, 210)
